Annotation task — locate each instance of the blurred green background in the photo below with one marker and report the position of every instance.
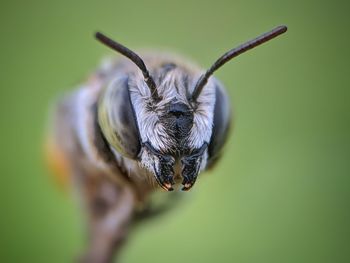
(281, 192)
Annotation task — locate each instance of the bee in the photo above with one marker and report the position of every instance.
(138, 125)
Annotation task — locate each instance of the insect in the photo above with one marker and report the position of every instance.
(138, 125)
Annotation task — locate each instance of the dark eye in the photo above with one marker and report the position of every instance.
(117, 119)
(222, 120)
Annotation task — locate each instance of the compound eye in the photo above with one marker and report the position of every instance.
(117, 119)
(222, 120)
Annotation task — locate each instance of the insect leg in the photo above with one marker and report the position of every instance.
(109, 210)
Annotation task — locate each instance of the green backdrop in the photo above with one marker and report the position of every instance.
(280, 193)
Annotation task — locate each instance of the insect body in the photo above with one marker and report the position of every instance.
(135, 125)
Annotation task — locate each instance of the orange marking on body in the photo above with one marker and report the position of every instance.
(57, 163)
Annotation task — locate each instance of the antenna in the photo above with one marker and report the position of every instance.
(234, 53)
(134, 58)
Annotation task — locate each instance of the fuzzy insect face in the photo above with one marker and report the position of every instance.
(168, 137)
